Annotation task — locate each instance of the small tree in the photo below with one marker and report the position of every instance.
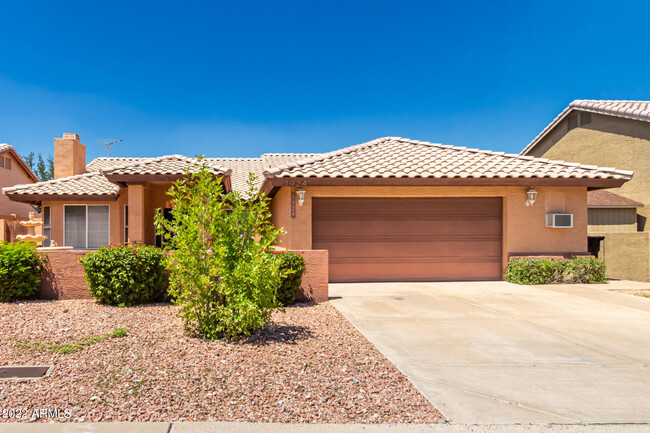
(42, 170)
(222, 273)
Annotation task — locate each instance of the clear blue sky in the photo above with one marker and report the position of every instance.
(242, 78)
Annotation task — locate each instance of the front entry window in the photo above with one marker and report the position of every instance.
(160, 239)
(86, 227)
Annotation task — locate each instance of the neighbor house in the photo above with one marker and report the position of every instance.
(612, 134)
(392, 209)
(13, 171)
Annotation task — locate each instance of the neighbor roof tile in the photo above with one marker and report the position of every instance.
(637, 110)
(602, 198)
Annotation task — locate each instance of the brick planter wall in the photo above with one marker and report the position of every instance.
(554, 256)
(64, 276)
(315, 280)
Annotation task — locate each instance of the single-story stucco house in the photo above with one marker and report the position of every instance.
(391, 209)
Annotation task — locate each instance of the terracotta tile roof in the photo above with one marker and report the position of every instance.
(241, 167)
(275, 159)
(404, 158)
(164, 165)
(603, 198)
(381, 158)
(87, 184)
(110, 162)
(637, 110)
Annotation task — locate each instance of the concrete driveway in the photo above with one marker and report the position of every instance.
(494, 352)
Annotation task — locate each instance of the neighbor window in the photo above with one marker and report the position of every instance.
(5, 162)
(85, 226)
(46, 226)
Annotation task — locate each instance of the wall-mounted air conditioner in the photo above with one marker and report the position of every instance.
(559, 220)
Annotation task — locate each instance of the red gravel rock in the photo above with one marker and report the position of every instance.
(312, 365)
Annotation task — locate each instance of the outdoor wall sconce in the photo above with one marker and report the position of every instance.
(532, 196)
(301, 196)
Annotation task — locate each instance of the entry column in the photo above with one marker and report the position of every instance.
(136, 194)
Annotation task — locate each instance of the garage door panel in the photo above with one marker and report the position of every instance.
(394, 250)
(394, 206)
(409, 239)
(417, 272)
(405, 228)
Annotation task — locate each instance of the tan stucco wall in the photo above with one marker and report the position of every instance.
(607, 141)
(151, 197)
(116, 210)
(524, 227)
(16, 175)
(626, 255)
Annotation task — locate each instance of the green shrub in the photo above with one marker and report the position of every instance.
(291, 267)
(221, 274)
(584, 270)
(125, 275)
(534, 271)
(20, 271)
(550, 271)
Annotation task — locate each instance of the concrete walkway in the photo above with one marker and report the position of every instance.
(231, 427)
(494, 352)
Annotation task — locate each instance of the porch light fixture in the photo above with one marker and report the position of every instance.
(532, 196)
(301, 196)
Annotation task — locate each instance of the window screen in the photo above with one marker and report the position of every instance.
(86, 227)
(46, 226)
(97, 226)
(75, 226)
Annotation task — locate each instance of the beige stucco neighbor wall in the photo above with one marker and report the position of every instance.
(607, 141)
(611, 141)
(524, 228)
(12, 177)
(626, 255)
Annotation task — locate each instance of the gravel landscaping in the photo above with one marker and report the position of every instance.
(644, 293)
(313, 366)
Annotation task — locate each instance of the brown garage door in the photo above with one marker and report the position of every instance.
(409, 239)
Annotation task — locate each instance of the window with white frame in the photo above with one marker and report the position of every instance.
(126, 223)
(46, 226)
(86, 227)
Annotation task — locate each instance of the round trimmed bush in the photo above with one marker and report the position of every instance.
(125, 275)
(20, 271)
